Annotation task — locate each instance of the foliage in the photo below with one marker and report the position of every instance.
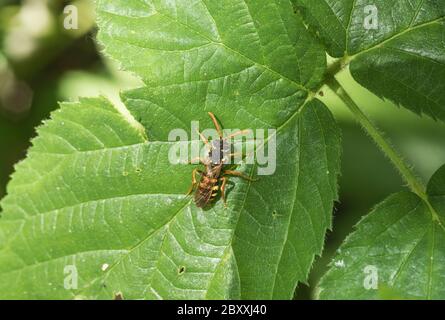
(97, 190)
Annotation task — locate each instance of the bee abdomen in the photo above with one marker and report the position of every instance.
(207, 191)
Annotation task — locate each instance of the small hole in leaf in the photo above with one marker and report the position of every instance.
(181, 270)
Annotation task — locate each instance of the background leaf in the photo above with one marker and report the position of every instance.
(403, 239)
(403, 59)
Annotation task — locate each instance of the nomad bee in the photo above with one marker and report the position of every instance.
(214, 177)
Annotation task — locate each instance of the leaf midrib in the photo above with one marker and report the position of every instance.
(395, 36)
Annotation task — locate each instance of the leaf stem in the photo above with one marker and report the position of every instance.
(407, 174)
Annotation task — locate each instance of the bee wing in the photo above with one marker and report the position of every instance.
(203, 197)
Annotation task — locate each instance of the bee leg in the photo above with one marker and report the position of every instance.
(201, 161)
(238, 174)
(223, 190)
(241, 132)
(234, 154)
(204, 139)
(206, 142)
(194, 181)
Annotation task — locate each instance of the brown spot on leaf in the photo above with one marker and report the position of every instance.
(118, 296)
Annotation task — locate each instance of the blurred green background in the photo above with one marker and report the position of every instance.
(41, 63)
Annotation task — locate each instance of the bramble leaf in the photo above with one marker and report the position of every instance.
(395, 49)
(97, 195)
(397, 251)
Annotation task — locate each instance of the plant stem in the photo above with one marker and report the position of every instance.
(410, 178)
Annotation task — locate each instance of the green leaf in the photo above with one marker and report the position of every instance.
(400, 242)
(98, 196)
(169, 43)
(403, 59)
(250, 62)
(102, 197)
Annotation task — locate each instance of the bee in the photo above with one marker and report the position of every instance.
(214, 178)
